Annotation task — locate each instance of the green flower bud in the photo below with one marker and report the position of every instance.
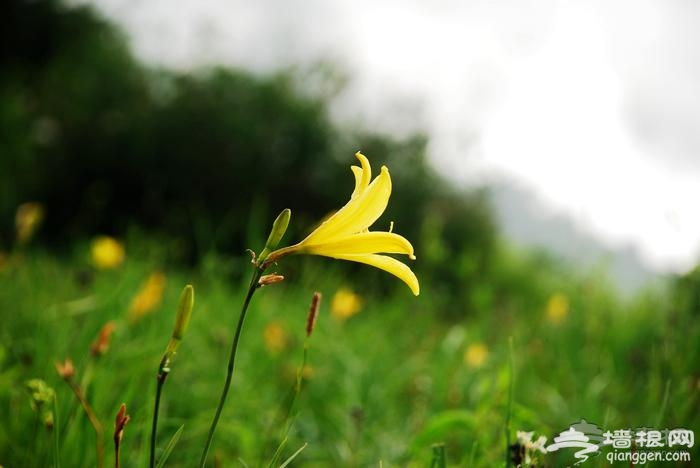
(279, 227)
(182, 319)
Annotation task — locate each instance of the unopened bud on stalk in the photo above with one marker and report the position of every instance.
(279, 227)
(65, 369)
(313, 313)
(120, 422)
(270, 279)
(182, 319)
(101, 343)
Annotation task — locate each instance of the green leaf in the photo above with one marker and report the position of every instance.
(169, 448)
(442, 425)
(294, 455)
(277, 453)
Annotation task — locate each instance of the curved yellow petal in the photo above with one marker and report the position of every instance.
(388, 264)
(358, 214)
(363, 243)
(362, 174)
(358, 182)
(366, 169)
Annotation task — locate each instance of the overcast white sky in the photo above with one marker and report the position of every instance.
(593, 105)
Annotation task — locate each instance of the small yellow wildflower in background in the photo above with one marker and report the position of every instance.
(345, 304)
(308, 372)
(28, 218)
(106, 252)
(275, 338)
(149, 296)
(557, 308)
(476, 355)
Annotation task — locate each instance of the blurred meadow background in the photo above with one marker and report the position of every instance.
(550, 195)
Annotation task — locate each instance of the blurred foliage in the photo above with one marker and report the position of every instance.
(206, 159)
(383, 384)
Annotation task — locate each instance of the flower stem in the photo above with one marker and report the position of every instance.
(162, 375)
(509, 410)
(96, 425)
(231, 361)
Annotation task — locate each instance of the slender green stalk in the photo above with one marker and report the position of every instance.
(162, 375)
(56, 427)
(288, 416)
(92, 417)
(257, 273)
(182, 320)
(472, 455)
(438, 456)
(664, 404)
(296, 392)
(169, 447)
(509, 409)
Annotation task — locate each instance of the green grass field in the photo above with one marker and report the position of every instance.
(380, 388)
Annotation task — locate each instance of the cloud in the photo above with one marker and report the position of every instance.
(594, 104)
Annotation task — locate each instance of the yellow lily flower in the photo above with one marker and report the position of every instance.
(346, 236)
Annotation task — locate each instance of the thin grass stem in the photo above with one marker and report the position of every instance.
(509, 408)
(94, 421)
(289, 414)
(56, 430)
(664, 404)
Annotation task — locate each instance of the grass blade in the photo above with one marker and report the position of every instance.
(56, 430)
(169, 448)
(438, 456)
(294, 455)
